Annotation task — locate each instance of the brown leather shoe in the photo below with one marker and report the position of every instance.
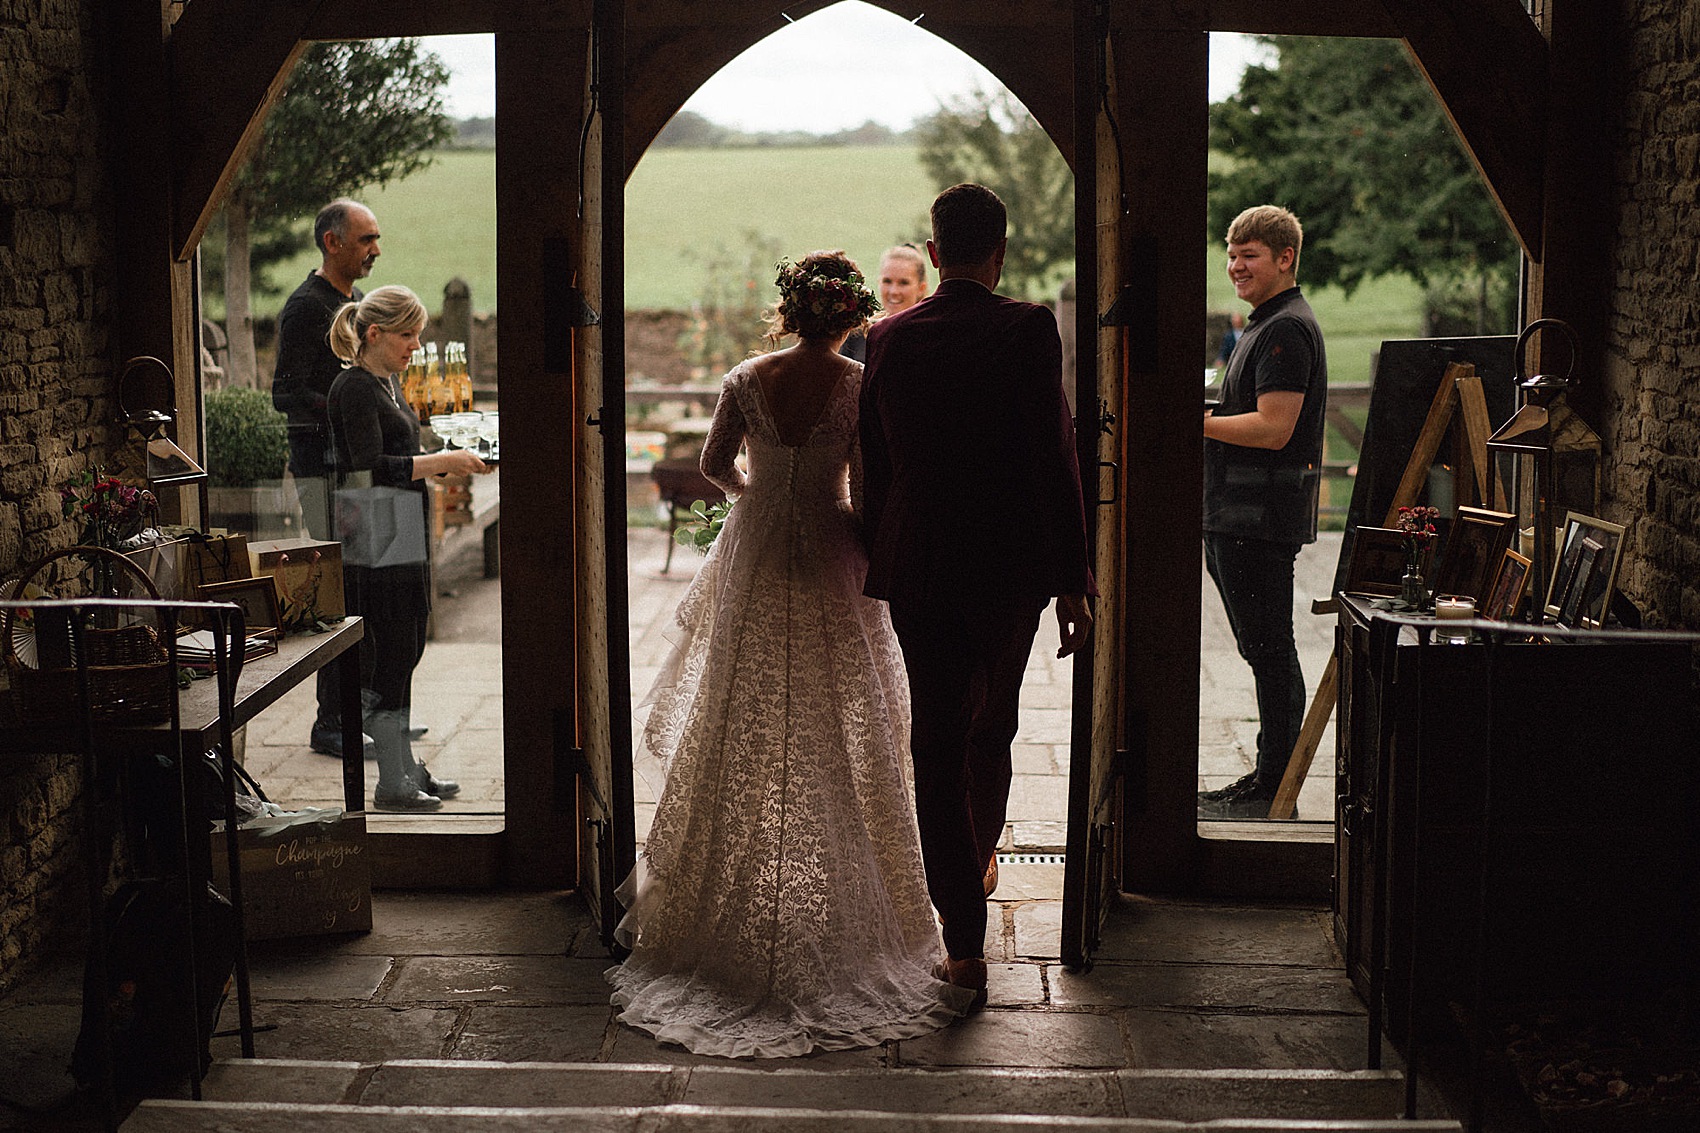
(990, 881)
(969, 974)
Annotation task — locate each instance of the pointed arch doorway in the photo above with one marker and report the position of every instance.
(651, 105)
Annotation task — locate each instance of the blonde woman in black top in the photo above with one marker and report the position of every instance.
(376, 437)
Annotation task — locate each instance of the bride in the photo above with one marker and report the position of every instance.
(780, 906)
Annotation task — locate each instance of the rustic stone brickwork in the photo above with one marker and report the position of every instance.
(57, 408)
(1652, 380)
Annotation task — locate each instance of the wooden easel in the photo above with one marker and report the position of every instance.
(1460, 391)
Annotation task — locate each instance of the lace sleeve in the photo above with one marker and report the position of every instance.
(725, 437)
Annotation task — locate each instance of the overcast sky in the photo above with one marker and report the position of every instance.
(830, 71)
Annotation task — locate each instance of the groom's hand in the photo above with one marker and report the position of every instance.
(1074, 622)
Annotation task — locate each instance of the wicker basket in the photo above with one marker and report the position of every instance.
(130, 679)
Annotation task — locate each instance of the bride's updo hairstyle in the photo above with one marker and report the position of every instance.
(390, 308)
(821, 296)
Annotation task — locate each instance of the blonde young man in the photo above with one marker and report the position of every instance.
(1262, 469)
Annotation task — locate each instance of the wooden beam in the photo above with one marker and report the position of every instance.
(1160, 96)
(537, 198)
(1572, 280)
(229, 63)
(145, 318)
(1487, 62)
(384, 19)
(1258, 17)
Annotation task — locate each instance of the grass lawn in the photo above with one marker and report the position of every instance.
(437, 224)
(685, 208)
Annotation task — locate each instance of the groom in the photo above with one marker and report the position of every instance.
(974, 521)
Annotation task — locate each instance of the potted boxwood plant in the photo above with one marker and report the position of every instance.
(247, 451)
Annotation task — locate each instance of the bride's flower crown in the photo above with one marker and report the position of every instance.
(832, 303)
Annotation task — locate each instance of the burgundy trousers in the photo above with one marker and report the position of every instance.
(965, 662)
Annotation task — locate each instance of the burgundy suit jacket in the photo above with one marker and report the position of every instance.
(971, 489)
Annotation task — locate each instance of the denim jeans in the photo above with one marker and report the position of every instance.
(1255, 579)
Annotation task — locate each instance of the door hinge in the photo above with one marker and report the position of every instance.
(571, 763)
(1130, 768)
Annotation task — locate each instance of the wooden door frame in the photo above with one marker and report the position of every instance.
(213, 72)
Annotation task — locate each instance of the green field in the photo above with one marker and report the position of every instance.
(685, 208)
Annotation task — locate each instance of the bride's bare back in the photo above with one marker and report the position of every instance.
(798, 383)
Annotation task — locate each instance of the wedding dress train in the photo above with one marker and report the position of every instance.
(780, 905)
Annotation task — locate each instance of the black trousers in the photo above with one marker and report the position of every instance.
(965, 662)
(1255, 580)
(395, 601)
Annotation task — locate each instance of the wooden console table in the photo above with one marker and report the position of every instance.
(1513, 817)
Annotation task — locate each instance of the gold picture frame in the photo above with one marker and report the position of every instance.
(1475, 545)
(1585, 571)
(1509, 583)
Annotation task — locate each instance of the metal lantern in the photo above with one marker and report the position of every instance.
(1555, 457)
(145, 398)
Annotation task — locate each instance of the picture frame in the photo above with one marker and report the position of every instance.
(1509, 583)
(1585, 571)
(1475, 545)
(1378, 562)
(256, 596)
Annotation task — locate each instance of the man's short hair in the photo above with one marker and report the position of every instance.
(969, 221)
(333, 218)
(1270, 225)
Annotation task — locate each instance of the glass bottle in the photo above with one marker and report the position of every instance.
(413, 384)
(436, 393)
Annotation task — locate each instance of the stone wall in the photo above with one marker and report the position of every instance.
(1651, 418)
(57, 409)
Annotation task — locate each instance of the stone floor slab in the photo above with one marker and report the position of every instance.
(1014, 985)
(1219, 987)
(1021, 1038)
(321, 1031)
(448, 924)
(1142, 929)
(1054, 1093)
(534, 980)
(297, 977)
(1209, 1040)
(36, 1041)
(532, 1034)
(633, 1046)
(520, 1084)
(299, 1081)
(226, 1117)
(1038, 930)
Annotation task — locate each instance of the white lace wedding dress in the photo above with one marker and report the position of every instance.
(779, 906)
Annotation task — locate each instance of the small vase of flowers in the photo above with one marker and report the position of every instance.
(1417, 523)
(112, 512)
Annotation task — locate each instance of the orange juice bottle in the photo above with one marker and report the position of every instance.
(436, 393)
(463, 378)
(413, 385)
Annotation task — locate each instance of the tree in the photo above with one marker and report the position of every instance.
(990, 138)
(1347, 134)
(689, 130)
(354, 115)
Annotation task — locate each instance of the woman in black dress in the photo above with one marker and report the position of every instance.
(381, 514)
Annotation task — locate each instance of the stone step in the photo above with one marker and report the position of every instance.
(1163, 1095)
(162, 1116)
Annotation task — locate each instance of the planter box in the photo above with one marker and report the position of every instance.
(268, 510)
